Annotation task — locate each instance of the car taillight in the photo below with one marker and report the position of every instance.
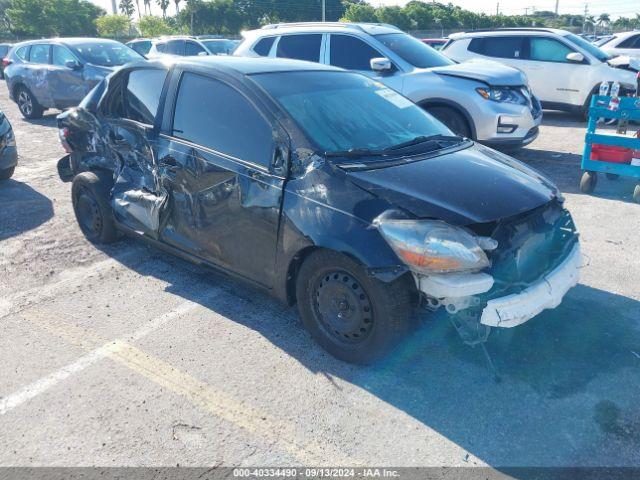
(63, 134)
(6, 62)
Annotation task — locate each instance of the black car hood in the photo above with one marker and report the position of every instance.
(471, 185)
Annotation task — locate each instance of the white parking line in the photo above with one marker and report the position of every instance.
(34, 389)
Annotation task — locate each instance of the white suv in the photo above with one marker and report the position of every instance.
(564, 70)
(485, 101)
(625, 43)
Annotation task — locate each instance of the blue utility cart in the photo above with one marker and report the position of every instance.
(629, 109)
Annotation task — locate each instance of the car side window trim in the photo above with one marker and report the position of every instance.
(171, 102)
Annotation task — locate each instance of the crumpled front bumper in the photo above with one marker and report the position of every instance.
(515, 309)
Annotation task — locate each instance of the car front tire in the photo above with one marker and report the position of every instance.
(352, 315)
(452, 119)
(90, 193)
(28, 105)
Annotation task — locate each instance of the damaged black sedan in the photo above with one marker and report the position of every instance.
(325, 188)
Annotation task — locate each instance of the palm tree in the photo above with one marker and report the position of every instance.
(138, 9)
(163, 4)
(177, 2)
(126, 7)
(590, 21)
(604, 19)
(147, 7)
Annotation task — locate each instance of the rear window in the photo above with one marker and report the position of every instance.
(300, 47)
(21, 52)
(263, 47)
(141, 47)
(499, 47)
(4, 49)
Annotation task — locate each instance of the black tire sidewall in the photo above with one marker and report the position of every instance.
(449, 116)
(388, 326)
(98, 186)
(7, 173)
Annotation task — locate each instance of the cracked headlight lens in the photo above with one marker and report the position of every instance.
(433, 246)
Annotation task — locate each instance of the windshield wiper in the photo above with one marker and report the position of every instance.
(426, 138)
(355, 153)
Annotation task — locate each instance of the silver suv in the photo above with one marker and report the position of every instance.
(483, 100)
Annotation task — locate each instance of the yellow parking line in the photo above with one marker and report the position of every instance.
(199, 393)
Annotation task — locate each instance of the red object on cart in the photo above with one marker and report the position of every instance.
(610, 153)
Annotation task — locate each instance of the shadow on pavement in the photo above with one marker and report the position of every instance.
(22, 208)
(560, 400)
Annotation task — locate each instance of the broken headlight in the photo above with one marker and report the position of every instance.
(433, 246)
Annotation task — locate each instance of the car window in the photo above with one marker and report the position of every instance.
(106, 53)
(21, 52)
(61, 55)
(263, 47)
(221, 119)
(4, 49)
(142, 96)
(39, 53)
(548, 50)
(161, 47)
(300, 47)
(141, 47)
(499, 47)
(220, 46)
(175, 47)
(631, 42)
(192, 49)
(351, 53)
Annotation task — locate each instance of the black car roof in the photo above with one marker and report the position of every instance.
(241, 65)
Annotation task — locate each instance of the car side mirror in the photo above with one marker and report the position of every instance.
(381, 65)
(575, 57)
(72, 64)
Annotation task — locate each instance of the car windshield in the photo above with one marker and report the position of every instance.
(219, 46)
(413, 50)
(588, 46)
(603, 41)
(107, 54)
(345, 112)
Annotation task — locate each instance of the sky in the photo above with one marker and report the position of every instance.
(615, 8)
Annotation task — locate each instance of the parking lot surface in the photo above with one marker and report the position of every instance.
(123, 356)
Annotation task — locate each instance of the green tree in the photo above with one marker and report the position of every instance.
(359, 12)
(152, 26)
(114, 26)
(53, 17)
(163, 4)
(394, 16)
(127, 8)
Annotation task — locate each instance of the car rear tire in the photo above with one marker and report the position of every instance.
(352, 315)
(7, 173)
(90, 196)
(454, 120)
(588, 182)
(28, 105)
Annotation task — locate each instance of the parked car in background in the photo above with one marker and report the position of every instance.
(484, 101)
(8, 150)
(564, 70)
(59, 72)
(218, 46)
(436, 43)
(621, 44)
(140, 45)
(4, 50)
(182, 46)
(324, 187)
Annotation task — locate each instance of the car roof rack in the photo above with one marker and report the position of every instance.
(354, 26)
(513, 29)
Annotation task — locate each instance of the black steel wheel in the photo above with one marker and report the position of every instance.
(352, 315)
(90, 196)
(342, 307)
(588, 182)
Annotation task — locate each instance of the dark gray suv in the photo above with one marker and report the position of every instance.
(58, 73)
